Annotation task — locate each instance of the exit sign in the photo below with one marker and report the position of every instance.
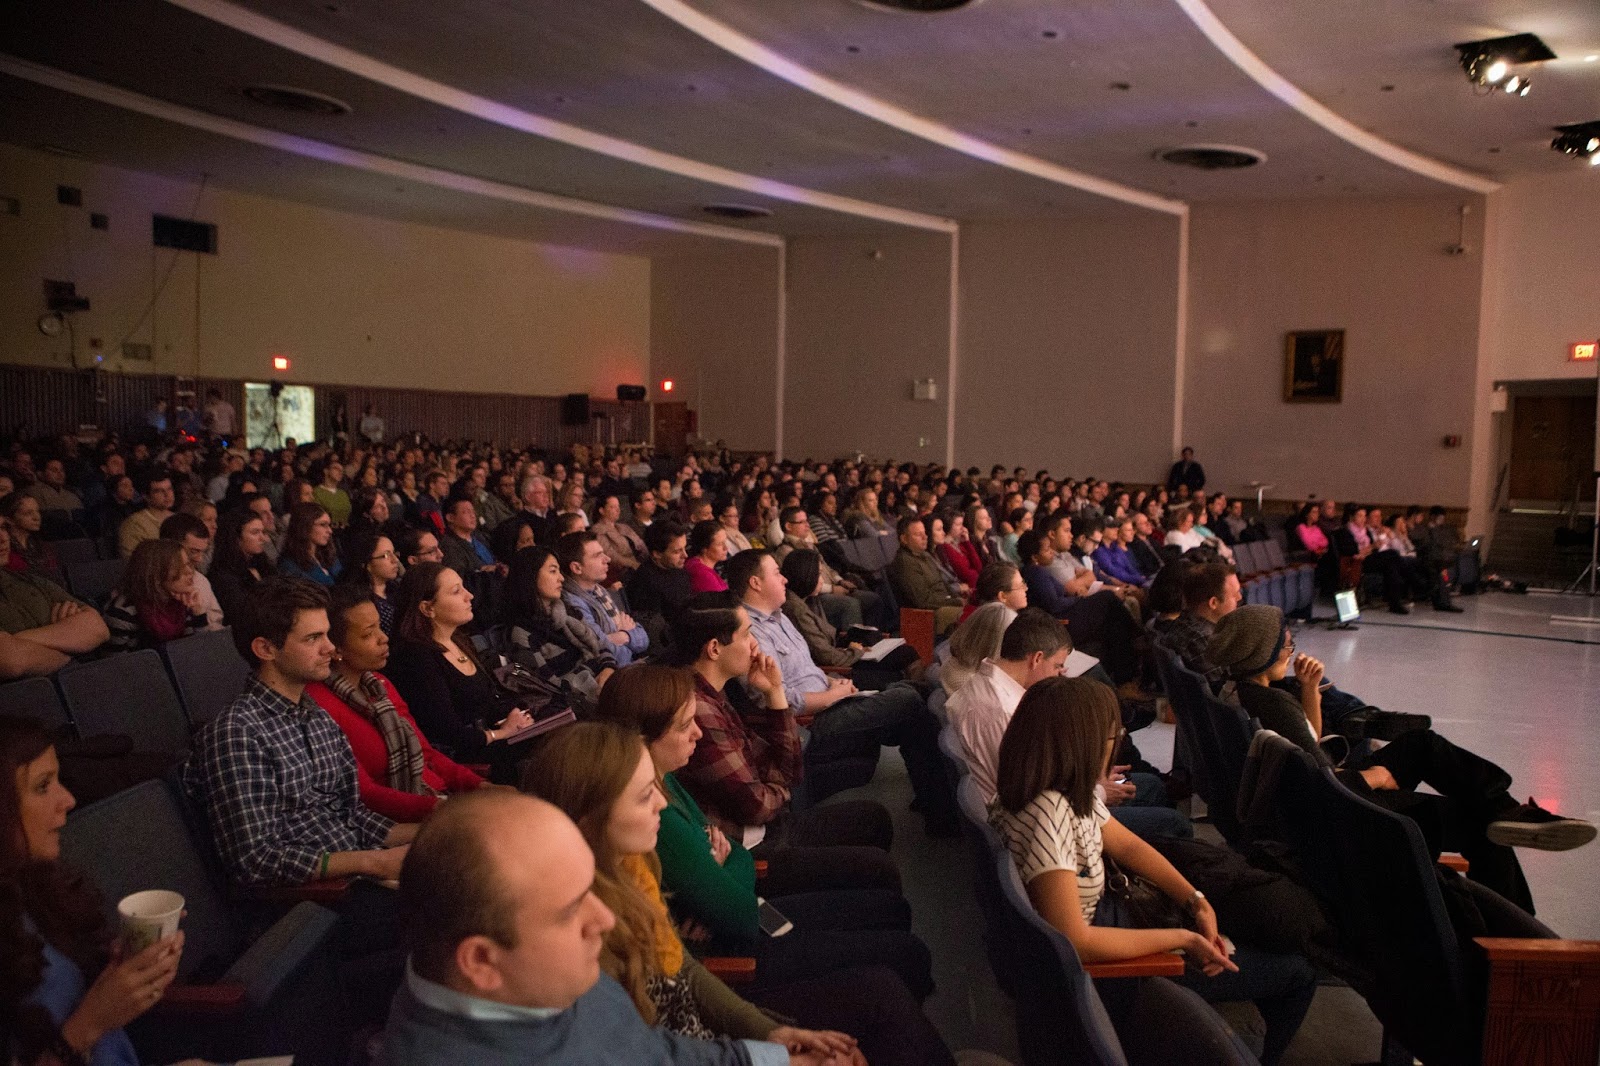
(1583, 351)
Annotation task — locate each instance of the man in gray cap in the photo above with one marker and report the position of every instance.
(1473, 812)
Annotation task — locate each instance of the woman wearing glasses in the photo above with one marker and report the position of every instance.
(375, 565)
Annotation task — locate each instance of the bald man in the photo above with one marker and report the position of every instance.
(506, 934)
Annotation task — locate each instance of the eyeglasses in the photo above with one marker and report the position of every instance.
(381, 556)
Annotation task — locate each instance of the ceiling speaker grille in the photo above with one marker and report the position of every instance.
(1211, 156)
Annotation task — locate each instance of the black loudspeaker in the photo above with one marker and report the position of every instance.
(575, 409)
(630, 392)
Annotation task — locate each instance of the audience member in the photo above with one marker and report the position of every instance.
(145, 524)
(68, 990)
(844, 600)
(465, 550)
(452, 696)
(506, 936)
(374, 568)
(707, 547)
(196, 538)
(660, 587)
(30, 552)
(399, 774)
(240, 564)
(155, 600)
(1098, 622)
(273, 773)
(41, 626)
(623, 545)
(917, 581)
(977, 638)
(556, 642)
(1473, 811)
(308, 548)
(584, 566)
(1056, 750)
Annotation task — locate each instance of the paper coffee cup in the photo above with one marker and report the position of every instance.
(149, 916)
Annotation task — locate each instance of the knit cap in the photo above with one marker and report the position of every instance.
(1247, 640)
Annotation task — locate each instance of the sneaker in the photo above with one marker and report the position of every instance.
(1370, 723)
(1531, 826)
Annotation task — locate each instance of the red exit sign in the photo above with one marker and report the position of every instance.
(1583, 351)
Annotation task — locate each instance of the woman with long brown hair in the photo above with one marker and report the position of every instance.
(602, 776)
(1054, 822)
(308, 547)
(454, 699)
(66, 990)
(155, 601)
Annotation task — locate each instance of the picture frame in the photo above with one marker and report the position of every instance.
(1313, 366)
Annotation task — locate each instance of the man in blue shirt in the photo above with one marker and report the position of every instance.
(506, 933)
(583, 569)
(846, 722)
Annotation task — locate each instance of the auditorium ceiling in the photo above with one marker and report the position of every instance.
(834, 115)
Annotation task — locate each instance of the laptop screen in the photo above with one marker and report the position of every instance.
(1345, 603)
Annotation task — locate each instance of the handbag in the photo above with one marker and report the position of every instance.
(1136, 903)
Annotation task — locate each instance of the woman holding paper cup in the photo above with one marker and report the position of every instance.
(69, 987)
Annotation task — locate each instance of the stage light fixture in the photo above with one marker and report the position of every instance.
(1491, 64)
(1581, 140)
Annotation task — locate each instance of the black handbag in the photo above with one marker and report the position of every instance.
(1136, 902)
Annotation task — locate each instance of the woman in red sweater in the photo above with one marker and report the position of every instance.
(959, 553)
(400, 775)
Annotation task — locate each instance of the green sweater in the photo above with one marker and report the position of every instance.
(721, 898)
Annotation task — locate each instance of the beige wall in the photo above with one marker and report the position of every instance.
(1542, 280)
(349, 299)
(714, 331)
(1377, 269)
(862, 328)
(1067, 346)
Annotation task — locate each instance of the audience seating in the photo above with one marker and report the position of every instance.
(35, 698)
(916, 628)
(93, 581)
(1187, 695)
(74, 551)
(1527, 999)
(1062, 1015)
(236, 995)
(207, 671)
(129, 695)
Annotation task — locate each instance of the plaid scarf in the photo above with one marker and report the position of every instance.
(370, 698)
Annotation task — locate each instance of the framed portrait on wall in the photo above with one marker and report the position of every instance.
(1313, 366)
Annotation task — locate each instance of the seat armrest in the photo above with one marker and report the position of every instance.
(221, 998)
(329, 891)
(731, 970)
(280, 952)
(837, 671)
(1451, 861)
(761, 868)
(1542, 993)
(1159, 964)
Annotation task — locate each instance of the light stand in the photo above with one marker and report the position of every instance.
(1592, 572)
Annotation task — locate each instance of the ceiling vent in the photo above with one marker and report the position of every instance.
(1211, 156)
(736, 211)
(919, 6)
(300, 101)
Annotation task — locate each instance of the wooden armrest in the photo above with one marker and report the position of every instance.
(732, 971)
(804, 718)
(837, 671)
(203, 999)
(1451, 861)
(1160, 964)
(1542, 994)
(916, 627)
(761, 868)
(329, 891)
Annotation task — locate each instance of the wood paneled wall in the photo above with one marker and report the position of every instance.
(40, 401)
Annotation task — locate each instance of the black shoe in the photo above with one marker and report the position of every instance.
(1531, 826)
(1449, 608)
(1399, 608)
(1370, 723)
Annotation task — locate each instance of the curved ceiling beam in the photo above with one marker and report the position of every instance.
(752, 51)
(374, 164)
(352, 62)
(1251, 64)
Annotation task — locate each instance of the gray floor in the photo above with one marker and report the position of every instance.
(1502, 678)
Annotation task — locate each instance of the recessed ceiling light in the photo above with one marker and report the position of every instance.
(1119, 86)
(1049, 35)
(1211, 156)
(300, 101)
(1590, 59)
(1386, 88)
(737, 211)
(920, 6)
(1489, 64)
(853, 49)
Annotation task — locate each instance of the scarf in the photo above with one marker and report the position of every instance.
(370, 698)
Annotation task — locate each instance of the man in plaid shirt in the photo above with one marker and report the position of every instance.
(748, 763)
(275, 775)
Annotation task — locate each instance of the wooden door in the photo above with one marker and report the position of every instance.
(1552, 447)
(673, 422)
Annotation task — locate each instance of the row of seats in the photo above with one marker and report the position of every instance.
(156, 698)
(1115, 1014)
(1266, 576)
